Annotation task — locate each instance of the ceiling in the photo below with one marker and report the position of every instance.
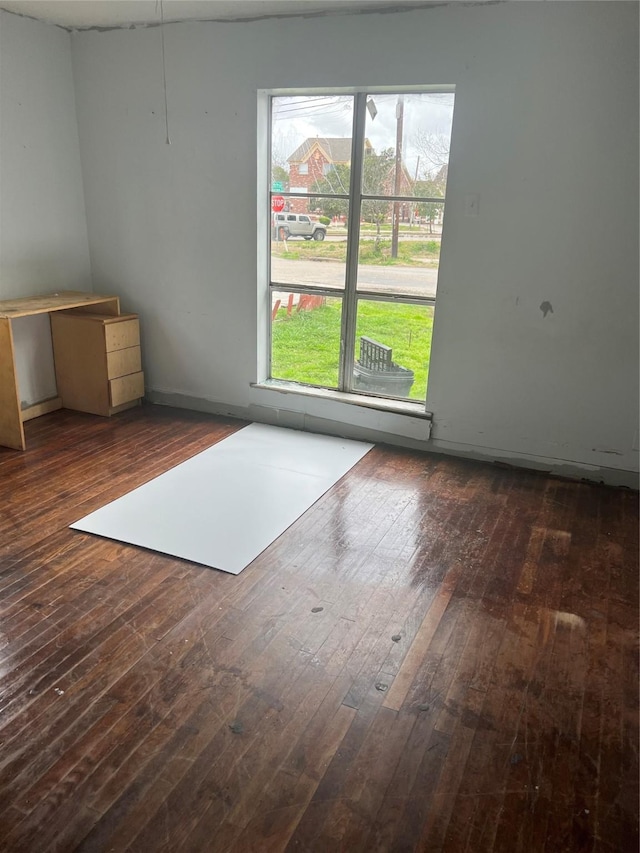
(83, 14)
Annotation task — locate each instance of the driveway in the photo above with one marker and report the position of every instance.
(417, 281)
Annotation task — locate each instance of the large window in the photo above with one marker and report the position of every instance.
(357, 198)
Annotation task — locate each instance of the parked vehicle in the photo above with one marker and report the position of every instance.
(298, 225)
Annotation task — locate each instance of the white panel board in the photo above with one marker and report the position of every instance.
(224, 506)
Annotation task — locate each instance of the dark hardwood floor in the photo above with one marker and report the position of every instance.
(440, 655)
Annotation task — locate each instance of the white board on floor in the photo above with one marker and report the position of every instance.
(224, 506)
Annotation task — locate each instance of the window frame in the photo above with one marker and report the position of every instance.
(350, 294)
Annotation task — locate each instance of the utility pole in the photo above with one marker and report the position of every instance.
(415, 181)
(398, 176)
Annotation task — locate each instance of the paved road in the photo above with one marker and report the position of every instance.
(414, 280)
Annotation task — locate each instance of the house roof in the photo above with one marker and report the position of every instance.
(336, 149)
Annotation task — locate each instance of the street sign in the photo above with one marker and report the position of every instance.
(277, 187)
(277, 203)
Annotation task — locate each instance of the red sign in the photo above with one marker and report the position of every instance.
(277, 203)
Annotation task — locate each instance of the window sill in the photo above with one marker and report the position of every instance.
(395, 407)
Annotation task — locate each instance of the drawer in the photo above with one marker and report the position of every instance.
(122, 362)
(122, 334)
(126, 388)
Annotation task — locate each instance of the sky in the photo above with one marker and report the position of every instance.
(427, 116)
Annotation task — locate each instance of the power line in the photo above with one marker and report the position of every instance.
(313, 110)
(310, 101)
(312, 104)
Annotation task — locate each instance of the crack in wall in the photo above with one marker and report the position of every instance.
(322, 13)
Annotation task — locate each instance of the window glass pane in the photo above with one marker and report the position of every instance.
(402, 261)
(393, 348)
(305, 338)
(311, 143)
(405, 145)
(310, 248)
(407, 140)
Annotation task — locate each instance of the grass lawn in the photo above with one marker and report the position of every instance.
(306, 345)
(410, 252)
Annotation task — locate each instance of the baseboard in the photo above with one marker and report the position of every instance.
(328, 426)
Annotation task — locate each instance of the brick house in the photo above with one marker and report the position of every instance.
(313, 160)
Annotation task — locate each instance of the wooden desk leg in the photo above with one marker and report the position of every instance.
(11, 429)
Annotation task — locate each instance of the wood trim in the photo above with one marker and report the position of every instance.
(11, 431)
(11, 416)
(45, 304)
(114, 410)
(43, 408)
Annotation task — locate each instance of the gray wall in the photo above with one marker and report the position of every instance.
(43, 231)
(545, 131)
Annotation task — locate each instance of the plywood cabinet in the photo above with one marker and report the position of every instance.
(97, 361)
(117, 348)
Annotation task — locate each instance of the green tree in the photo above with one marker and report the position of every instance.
(278, 173)
(377, 179)
(335, 181)
(377, 173)
(431, 187)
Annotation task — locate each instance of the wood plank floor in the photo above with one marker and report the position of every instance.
(440, 655)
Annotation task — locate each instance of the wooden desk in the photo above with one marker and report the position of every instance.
(12, 417)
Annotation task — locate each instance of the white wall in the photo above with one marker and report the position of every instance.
(43, 232)
(545, 131)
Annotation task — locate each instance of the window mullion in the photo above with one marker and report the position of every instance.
(268, 319)
(349, 307)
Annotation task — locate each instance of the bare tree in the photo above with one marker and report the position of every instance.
(281, 149)
(433, 148)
